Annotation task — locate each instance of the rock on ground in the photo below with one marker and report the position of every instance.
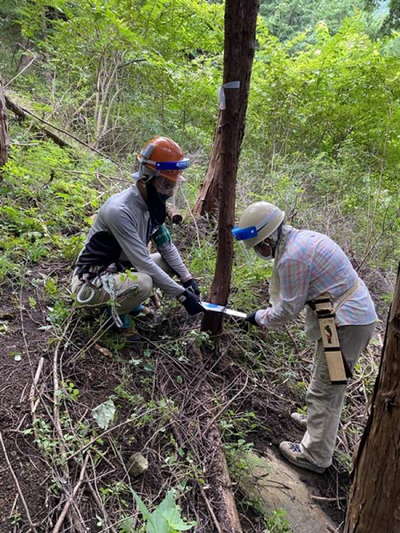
(274, 484)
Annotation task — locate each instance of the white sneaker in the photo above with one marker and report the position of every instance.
(300, 419)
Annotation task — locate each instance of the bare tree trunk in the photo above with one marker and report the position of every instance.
(4, 139)
(208, 199)
(240, 32)
(375, 493)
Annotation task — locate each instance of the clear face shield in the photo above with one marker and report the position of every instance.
(164, 186)
(264, 249)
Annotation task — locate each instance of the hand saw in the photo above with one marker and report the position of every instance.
(207, 306)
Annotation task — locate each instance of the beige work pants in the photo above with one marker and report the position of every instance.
(131, 288)
(325, 401)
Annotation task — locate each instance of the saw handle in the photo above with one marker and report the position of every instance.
(251, 317)
(191, 302)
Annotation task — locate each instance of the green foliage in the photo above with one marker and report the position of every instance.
(325, 123)
(328, 95)
(166, 518)
(278, 523)
(104, 413)
(43, 202)
(290, 17)
(149, 61)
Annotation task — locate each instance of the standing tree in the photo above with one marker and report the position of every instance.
(240, 41)
(375, 493)
(208, 199)
(4, 140)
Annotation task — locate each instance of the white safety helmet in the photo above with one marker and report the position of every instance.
(257, 223)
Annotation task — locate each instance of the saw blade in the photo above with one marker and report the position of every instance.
(207, 306)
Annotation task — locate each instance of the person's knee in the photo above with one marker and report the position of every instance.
(145, 285)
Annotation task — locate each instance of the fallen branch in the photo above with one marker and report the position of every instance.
(227, 513)
(70, 500)
(324, 499)
(225, 407)
(21, 495)
(20, 72)
(25, 113)
(210, 509)
(207, 445)
(32, 401)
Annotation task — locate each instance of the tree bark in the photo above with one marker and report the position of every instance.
(4, 139)
(240, 33)
(375, 492)
(208, 199)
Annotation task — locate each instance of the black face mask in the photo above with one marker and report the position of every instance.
(156, 204)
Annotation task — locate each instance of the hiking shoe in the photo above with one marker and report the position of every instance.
(128, 332)
(300, 420)
(292, 452)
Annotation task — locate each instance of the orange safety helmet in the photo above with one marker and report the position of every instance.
(163, 157)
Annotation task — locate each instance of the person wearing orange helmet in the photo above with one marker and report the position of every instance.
(115, 267)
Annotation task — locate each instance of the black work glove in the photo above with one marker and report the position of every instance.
(190, 302)
(192, 285)
(251, 317)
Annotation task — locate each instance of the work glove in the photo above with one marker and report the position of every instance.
(251, 317)
(190, 302)
(192, 285)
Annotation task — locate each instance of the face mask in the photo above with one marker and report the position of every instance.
(156, 204)
(164, 197)
(261, 256)
(264, 250)
(164, 187)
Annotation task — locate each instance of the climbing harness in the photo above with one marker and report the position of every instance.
(94, 280)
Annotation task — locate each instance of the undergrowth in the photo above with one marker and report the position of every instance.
(148, 396)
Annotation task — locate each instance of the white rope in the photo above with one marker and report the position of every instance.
(108, 281)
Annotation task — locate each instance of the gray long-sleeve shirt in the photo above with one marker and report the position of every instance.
(125, 216)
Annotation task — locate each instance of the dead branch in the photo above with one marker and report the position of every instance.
(225, 407)
(4, 138)
(21, 495)
(70, 500)
(25, 113)
(33, 58)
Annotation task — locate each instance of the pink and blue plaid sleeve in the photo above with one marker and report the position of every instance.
(294, 277)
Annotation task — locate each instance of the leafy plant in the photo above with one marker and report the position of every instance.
(278, 523)
(166, 518)
(104, 413)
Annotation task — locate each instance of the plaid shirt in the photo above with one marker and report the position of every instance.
(311, 264)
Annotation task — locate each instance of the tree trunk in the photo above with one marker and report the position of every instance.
(208, 199)
(240, 32)
(375, 493)
(4, 139)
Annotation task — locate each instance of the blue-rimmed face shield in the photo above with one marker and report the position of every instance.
(243, 234)
(171, 165)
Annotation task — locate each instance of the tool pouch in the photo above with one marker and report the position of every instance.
(337, 366)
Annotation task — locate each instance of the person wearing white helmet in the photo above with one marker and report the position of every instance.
(310, 268)
(115, 268)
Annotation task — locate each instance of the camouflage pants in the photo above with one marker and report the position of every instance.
(130, 288)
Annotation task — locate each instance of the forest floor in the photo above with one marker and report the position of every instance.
(158, 389)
